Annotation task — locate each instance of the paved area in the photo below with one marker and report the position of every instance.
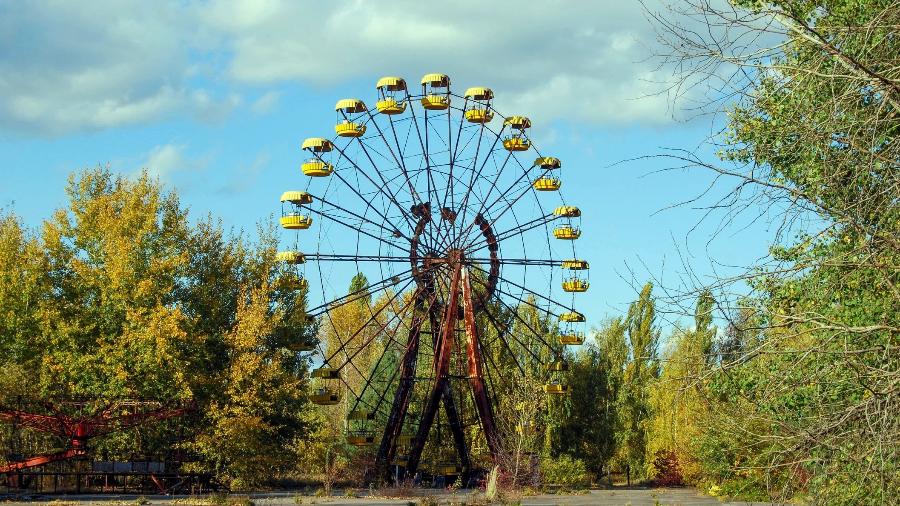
(617, 496)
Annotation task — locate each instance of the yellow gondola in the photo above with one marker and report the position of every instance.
(575, 265)
(480, 109)
(436, 91)
(350, 129)
(516, 143)
(567, 211)
(389, 90)
(572, 317)
(548, 163)
(547, 184)
(571, 339)
(447, 469)
(405, 439)
(349, 111)
(317, 145)
(325, 373)
(575, 285)
(316, 168)
(518, 122)
(296, 222)
(360, 414)
(290, 257)
(325, 396)
(296, 197)
(361, 438)
(556, 388)
(566, 232)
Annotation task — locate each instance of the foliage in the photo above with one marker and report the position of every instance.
(120, 296)
(566, 471)
(805, 394)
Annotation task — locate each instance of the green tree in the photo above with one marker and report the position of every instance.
(121, 297)
(808, 395)
(641, 369)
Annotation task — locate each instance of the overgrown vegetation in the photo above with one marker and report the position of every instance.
(788, 390)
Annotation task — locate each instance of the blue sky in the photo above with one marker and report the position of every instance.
(215, 97)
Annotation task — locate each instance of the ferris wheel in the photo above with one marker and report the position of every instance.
(455, 219)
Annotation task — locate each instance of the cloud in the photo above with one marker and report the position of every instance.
(245, 175)
(266, 102)
(168, 159)
(65, 69)
(554, 59)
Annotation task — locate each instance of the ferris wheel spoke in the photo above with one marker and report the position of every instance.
(501, 332)
(393, 231)
(475, 175)
(372, 318)
(384, 186)
(402, 159)
(369, 290)
(374, 372)
(492, 384)
(534, 332)
(483, 202)
(527, 303)
(330, 257)
(528, 188)
(451, 153)
(537, 295)
(515, 261)
(380, 189)
(426, 155)
(516, 231)
(331, 217)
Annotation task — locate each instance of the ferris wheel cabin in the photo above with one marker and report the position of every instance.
(316, 167)
(391, 95)
(517, 140)
(351, 113)
(478, 105)
(436, 92)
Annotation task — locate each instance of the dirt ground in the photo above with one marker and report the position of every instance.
(616, 496)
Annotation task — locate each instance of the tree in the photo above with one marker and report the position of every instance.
(121, 297)
(641, 368)
(679, 400)
(809, 389)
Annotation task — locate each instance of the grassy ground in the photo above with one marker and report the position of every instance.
(417, 497)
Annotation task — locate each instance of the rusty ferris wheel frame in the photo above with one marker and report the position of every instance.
(426, 181)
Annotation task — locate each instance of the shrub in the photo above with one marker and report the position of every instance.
(566, 471)
(667, 469)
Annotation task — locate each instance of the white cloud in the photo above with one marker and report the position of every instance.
(266, 102)
(168, 159)
(64, 68)
(551, 59)
(68, 66)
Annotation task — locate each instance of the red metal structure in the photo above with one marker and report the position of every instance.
(421, 193)
(78, 430)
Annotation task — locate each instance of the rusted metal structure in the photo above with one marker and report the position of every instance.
(423, 189)
(78, 429)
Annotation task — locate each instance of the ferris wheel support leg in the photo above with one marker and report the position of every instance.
(388, 447)
(476, 372)
(453, 420)
(443, 351)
